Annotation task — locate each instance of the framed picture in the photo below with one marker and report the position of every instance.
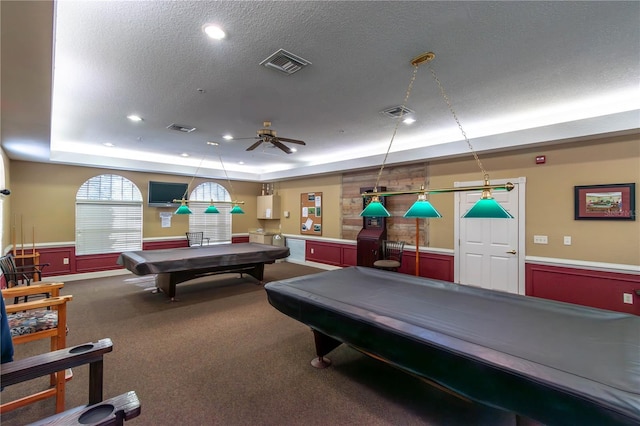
(616, 201)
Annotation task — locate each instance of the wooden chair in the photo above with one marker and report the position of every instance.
(196, 239)
(20, 275)
(391, 256)
(113, 411)
(39, 319)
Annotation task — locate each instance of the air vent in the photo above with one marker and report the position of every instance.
(285, 62)
(181, 128)
(397, 111)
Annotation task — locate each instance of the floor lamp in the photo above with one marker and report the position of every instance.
(422, 208)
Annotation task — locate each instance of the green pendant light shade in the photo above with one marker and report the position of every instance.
(183, 209)
(422, 208)
(375, 209)
(211, 209)
(236, 210)
(487, 208)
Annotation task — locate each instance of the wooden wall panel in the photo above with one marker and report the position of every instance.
(399, 178)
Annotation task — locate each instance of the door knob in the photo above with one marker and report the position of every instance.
(512, 252)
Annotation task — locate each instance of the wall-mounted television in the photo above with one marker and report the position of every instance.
(162, 194)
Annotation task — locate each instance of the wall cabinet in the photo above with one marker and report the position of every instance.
(268, 207)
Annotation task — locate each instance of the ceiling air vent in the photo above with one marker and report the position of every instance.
(181, 128)
(285, 62)
(397, 111)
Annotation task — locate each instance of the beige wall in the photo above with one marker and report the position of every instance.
(550, 196)
(44, 196)
(330, 186)
(6, 201)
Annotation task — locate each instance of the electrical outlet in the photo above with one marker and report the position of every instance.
(567, 240)
(540, 239)
(65, 261)
(627, 298)
(311, 251)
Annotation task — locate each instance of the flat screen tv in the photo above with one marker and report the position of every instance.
(162, 194)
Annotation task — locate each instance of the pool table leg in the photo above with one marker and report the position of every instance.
(324, 345)
(166, 284)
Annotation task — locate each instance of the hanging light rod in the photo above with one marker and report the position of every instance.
(505, 187)
(217, 202)
(485, 207)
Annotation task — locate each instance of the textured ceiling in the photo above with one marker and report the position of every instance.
(517, 74)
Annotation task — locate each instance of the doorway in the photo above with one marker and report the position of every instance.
(490, 253)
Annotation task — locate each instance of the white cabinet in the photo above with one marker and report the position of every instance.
(269, 207)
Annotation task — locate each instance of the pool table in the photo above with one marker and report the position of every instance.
(553, 362)
(177, 265)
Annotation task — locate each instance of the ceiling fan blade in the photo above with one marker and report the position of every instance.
(255, 145)
(281, 146)
(291, 140)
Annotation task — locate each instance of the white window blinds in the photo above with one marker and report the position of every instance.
(216, 227)
(108, 216)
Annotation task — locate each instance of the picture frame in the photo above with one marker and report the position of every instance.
(615, 201)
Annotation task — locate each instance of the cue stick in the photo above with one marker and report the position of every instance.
(417, 247)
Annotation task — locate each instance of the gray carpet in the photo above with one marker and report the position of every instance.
(222, 355)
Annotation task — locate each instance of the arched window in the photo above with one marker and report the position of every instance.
(108, 216)
(216, 227)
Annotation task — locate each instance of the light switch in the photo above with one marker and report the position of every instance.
(567, 240)
(540, 239)
(627, 298)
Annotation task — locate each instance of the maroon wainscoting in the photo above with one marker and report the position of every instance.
(584, 287)
(243, 239)
(331, 253)
(432, 265)
(63, 260)
(168, 244)
(323, 252)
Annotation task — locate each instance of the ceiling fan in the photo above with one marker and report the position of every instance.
(269, 135)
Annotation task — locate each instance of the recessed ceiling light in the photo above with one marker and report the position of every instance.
(227, 137)
(184, 154)
(240, 162)
(409, 120)
(108, 144)
(214, 32)
(134, 117)
(213, 143)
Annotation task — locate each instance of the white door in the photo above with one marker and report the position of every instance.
(490, 252)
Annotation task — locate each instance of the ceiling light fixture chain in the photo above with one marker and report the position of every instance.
(485, 207)
(395, 130)
(455, 117)
(184, 197)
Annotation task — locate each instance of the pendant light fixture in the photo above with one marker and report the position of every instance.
(211, 209)
(486, 207)
(236, 204)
